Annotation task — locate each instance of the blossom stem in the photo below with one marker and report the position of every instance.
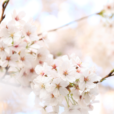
(4, 5)
(67, 101)
(70, 99)
(73, 100)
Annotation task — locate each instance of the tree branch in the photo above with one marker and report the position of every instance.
(4, 5)
(52, 30)
(107, 76)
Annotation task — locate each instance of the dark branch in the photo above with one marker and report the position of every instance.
(107, 76)
(4, 5)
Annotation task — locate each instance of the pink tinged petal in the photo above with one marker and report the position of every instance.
(94, 91)
(17, 18)
(87, 98)
(12, 63)
(76, 95)
(63, 91)
(4, 63)
(43, 94)
(70, 78)
(57, 81)
(21, 14)
(14, 57)
(14, 14)
(50, 87)
(82, 86)
(56, 92)
(64, 83)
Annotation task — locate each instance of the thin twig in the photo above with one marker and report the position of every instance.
(107, 76)
(96, 82)
(4, 5)
(52, 30)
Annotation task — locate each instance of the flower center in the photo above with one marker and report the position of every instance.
(39, 55)
(52, 96)
(58, 86)
(65, 73)
(24, 74)
(54, 67)
(28, 33)
(2, 48)
(6, 26)
(8, 58)
(109, 7)
(16, 46)
(12, 35)
(42, 86)
(86, 79)
(17, 18)
(80, 96)
(31, 52)
(32, 70)
(41, 62)
(42, 73)
(22, 59)
(78, 70)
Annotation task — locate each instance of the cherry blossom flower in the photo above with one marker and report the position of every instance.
(66, 70)
(26, 58)
(10, 60)
(109, 8)
(42, 55)
(10, 33)
(60, 87)
(29, 32)
(18, 17)
(87, 79)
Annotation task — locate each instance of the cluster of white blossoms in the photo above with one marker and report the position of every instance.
(63, 81)
(21, 49)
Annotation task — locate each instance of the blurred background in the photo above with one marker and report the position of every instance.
(91, 39)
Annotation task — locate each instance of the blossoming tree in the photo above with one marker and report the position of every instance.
(62, 81)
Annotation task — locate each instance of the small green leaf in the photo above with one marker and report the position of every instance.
(71, 84)
(112, 71)
(77, 80)
(27, 46)
(59, 54)
(101, 13)
(12, 42)
(6, 1)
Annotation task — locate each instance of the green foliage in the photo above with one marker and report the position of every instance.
(6, 1)
(101, 13)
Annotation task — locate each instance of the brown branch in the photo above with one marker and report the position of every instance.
(4, 5)
(107, 76)
(52, 30)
